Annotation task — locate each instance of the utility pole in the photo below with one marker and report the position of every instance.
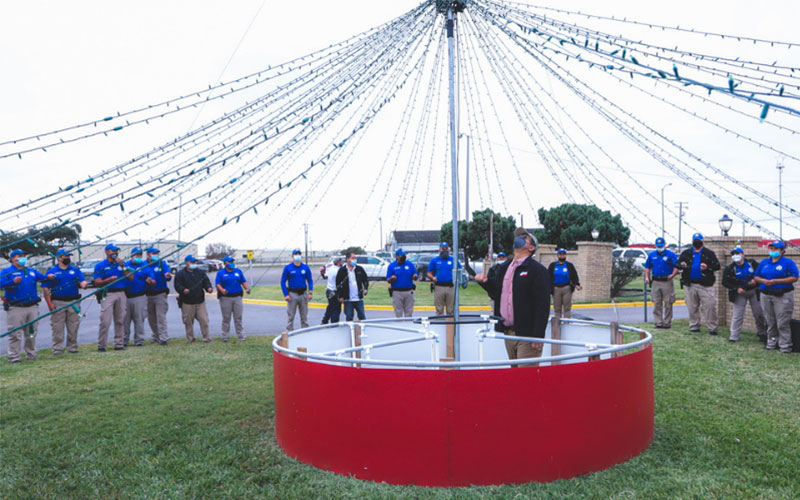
(663, 233)
(681, 205)
(450, 27)
(780, 168)
(380, 222)
(180, 224)
(305, 226)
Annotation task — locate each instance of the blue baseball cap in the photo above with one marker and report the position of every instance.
(62, 252)
(736, 250)
(228, 258)
(296, 251)
(112, 247)
(189, 258)
(136, 251)
(16, 252)
(697, 236)
(399, 251)
(660, 242)
(444, 244)
(561, 250)
(778, 244)
(153, 250)
(501, 254)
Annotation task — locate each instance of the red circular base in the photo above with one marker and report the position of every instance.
(465, 427)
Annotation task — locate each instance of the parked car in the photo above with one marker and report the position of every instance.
(375, 267)
(87, 268)
(204, 265)
(215, 264)
(173, 265)
(638, 255)
(421, 261)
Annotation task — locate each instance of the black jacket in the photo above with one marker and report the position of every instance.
(708, 258)
(730, 281)
(343, 282)
(573, 275)
(531, 294)
(196, 282)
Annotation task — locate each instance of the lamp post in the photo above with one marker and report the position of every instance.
(725, 224)
(595, 234)
(662, 208)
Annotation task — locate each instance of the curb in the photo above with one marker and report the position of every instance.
(264, 302)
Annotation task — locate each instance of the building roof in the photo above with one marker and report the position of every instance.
(416, 236)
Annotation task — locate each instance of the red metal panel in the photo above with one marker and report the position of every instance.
(461, 427)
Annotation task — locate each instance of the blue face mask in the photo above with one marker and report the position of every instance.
(22, 261)
(660, 249)
(193, 266)
(154, 258)
(774, 255)
(229, 265)
(138, 260)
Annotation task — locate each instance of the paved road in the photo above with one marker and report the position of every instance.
(270, 320)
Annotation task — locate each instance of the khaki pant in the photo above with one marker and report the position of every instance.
(444, 297)
(190, 312)
(403, 303)
(157, 307)
(520, 349)
(231, 306)
(15, 317)
(562, 299)
(663, 297)
(58, 321)
(778, 313)
(739, 308)
(136, 312)
(297, 301)
(112, 309)
(702, 299)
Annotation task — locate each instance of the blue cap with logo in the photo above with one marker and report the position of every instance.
(697, 236)
(399, 251)
(501, 254)
(189, 258)
(16, 252)
(443, 245)
(561, 250)
(778, 244)
(660, 242)
(62, 252)
(296, 251)
(136, 251)
(736, 250)
(112, 247)
(228, 258)
(153, 250)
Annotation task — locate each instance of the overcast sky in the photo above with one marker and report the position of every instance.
(65, 63)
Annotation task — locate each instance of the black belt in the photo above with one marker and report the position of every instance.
(660, 278)
(26, 304)
(66, 299)
(153, 293)
(446, 285)
(118, 290)
(777, 293)
(401, 289)
(232, 295)
(132, 295)
(297, 290)
(561, 286)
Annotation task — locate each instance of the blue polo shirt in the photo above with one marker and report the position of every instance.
(106, 269)
(744, 273)
(159, 269)
(138, 286)
(26, 290)
(696, 272)
(404, 273)
(442, 269)
(296, 277)
(662, 264)
(65, 284)
(231, 280)
(561, 274)
(783, 268)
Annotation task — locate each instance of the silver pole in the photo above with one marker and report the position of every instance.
(663, 233)
(466, 191)
(780, 199)
(305, 252)
(450, 26)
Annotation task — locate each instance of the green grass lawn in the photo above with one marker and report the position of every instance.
(378, 294)
(197, 422)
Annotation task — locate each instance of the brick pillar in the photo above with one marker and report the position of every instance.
(593, 262)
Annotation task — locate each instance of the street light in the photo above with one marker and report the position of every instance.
(595, 234)
(725, 224)
(662, 208)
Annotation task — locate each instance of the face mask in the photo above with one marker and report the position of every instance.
(445, 254)
(229, 265)
(353, 262)
(774, 255)
(138, 260)
(113, 256)
(660, 249)
(193, 266)
(154, 258)
(22, 261)
(66, 261)
(562, 257)
(698, 244)
(737, 258)
(297, 258)
(401, 259)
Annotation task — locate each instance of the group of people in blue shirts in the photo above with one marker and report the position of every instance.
(129, 292)
(767, 286)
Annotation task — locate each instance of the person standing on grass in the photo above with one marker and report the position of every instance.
(563, 281)
(295, 280)
(113, 302)
(776, 276)
(136, 301)
(192, 284)
(157, 304)
(440, 271)
(334, 309)
(520, 291)
(739, 278)
(401, 277)
(231, 284)
(699, 265)
(659, 270)
(21, 303)
(352, 285)
(59, 292)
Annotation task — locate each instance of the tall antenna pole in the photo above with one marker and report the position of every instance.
(450, 26)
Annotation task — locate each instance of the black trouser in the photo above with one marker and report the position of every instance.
(334, 309)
